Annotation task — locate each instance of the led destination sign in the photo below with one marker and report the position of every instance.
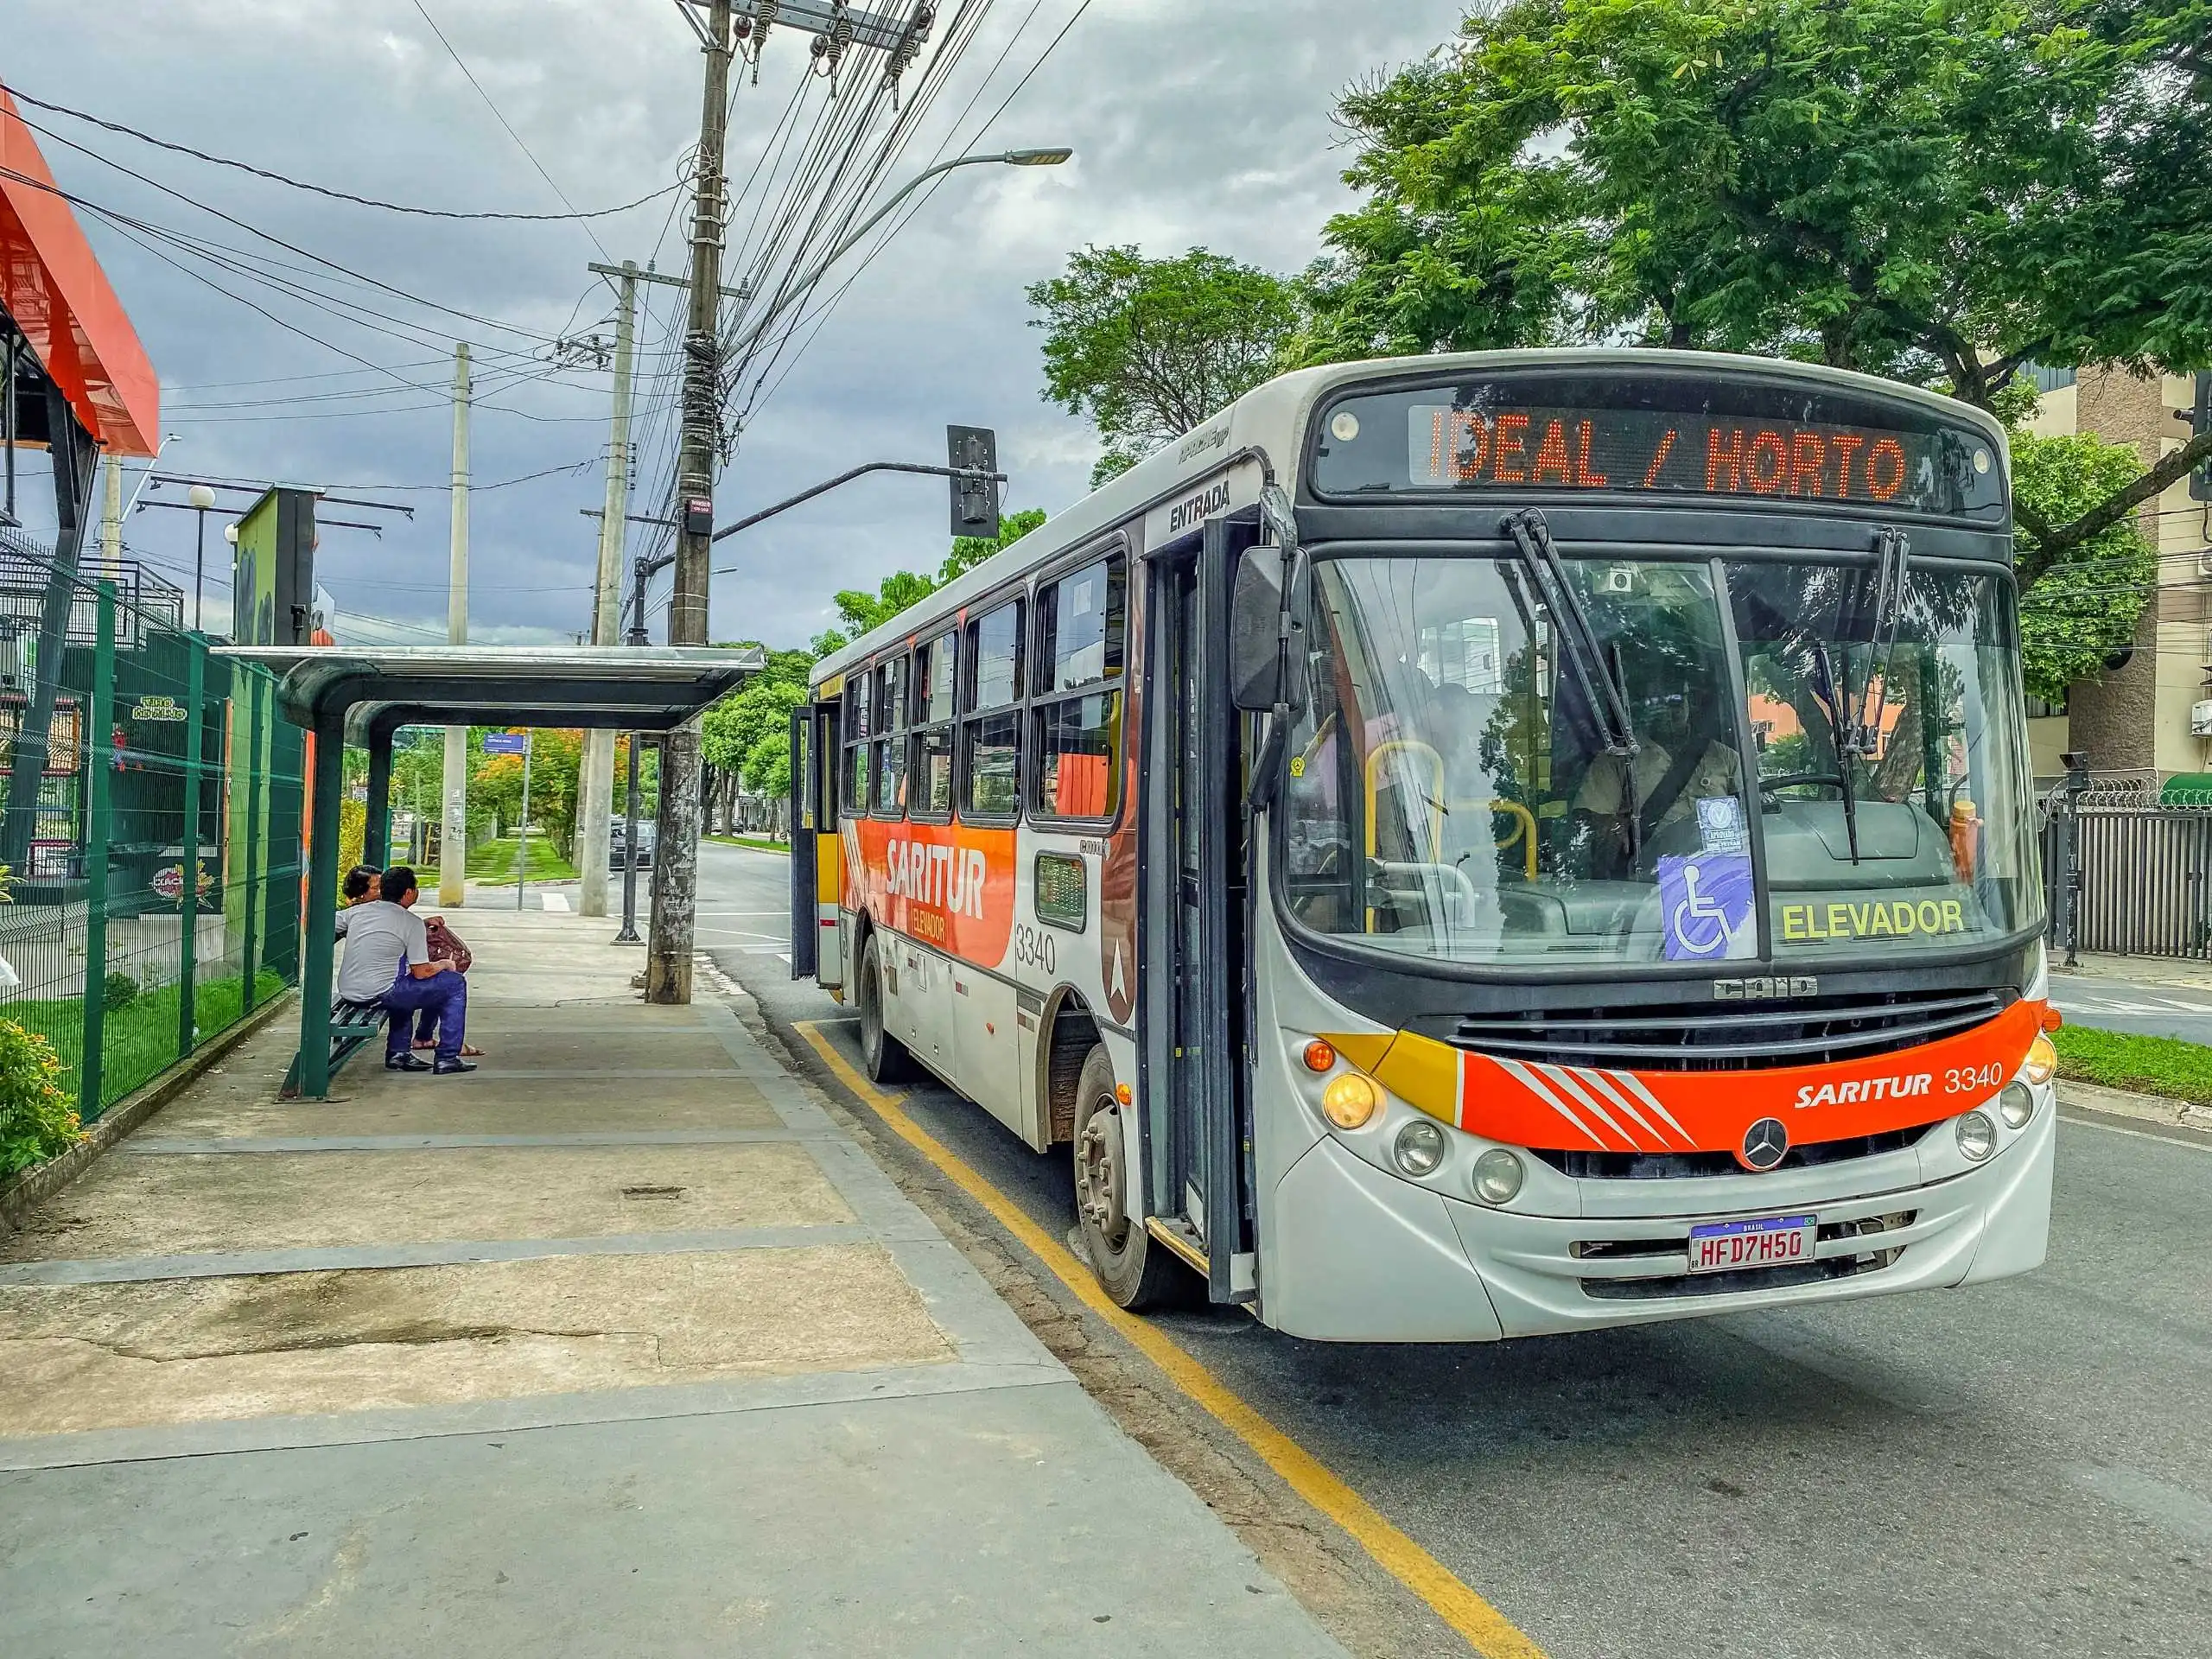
(1640, 435)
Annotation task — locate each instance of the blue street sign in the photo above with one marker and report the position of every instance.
(506, 743)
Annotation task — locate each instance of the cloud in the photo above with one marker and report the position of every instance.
(1194, 126)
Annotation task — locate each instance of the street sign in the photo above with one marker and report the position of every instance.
(506, 743)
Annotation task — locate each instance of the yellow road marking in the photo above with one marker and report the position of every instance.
(1487, 1631)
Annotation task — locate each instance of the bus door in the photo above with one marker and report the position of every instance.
(817, 855)
(805, 926)
(1195, 952)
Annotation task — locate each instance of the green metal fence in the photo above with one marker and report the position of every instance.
(152, 828)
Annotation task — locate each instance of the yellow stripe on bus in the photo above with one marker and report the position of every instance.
(1487, 1631)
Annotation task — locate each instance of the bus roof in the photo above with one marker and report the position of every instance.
(1271, 419)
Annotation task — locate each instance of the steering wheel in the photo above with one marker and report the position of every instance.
(1768, 786)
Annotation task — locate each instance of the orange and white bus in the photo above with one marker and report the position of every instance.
(1475, 847)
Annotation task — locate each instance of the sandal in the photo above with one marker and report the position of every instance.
(470, 1051)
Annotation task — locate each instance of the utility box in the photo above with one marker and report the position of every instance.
(272, 578)
(2200, 720)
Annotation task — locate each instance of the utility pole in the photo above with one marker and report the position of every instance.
(112, 524)
(597, 782)
(675, 855)
(453, 843)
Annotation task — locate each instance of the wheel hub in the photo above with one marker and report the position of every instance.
(1098, 1175)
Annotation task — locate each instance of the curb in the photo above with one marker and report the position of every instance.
(31, 1188)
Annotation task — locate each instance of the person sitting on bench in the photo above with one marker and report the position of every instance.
(388, 960)
(359, 888)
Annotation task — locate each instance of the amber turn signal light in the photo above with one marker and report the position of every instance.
(1319, 1056)
(2051, 1019)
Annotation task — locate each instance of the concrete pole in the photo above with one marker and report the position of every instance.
(111, 524)
(676, 852)
(453, 845)
(596, 784)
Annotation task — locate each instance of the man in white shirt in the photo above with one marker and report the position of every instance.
(388, 961)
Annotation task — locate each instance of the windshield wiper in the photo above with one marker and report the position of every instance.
(1893, 553)
(1548, 574)
(1838, 693)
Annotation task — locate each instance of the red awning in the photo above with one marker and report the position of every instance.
(54, 287)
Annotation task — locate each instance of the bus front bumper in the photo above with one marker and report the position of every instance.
(1372, 1258)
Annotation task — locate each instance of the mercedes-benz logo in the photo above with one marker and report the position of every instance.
(1766, 1143)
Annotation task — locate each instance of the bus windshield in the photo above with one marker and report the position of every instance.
(1462, 788)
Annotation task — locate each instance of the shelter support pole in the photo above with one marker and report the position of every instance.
(260, 697)
(188, 898)
(376, 837)
(99, 765)
(316, 971)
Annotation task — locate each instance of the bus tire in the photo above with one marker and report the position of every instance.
(883, 1057)
(1135, 1270)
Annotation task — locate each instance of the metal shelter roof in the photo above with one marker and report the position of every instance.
(649, 688)
(52, 285)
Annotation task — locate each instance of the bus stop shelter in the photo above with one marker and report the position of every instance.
(368, 693)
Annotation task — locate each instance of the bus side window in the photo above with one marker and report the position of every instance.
(990, 732)
(888, 731)
(854, 789)
(931, 768)
(1081, 625)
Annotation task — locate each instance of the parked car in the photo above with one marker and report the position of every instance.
(648, 835)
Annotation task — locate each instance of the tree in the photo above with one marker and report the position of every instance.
(2083, 605)
(969, 551)
(1148, 349)
(1940, 193)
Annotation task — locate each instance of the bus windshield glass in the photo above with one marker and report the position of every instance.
(1464, 786)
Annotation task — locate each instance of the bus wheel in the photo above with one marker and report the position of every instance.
(1137, 1272)
(883, 1057)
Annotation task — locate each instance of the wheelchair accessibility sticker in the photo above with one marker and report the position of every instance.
(1706, 899)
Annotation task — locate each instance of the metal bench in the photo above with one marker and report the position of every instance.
(353, 1027)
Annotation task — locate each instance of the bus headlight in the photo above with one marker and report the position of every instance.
(1498, 1176)
(2042, 1064)
(1977, 1136)
(1418, 1147)
(1350, 1100)
(2016, 1105)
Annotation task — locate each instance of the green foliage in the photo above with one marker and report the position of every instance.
(38, 1118)
(767, 768)
(1146, 349)
(738, 726)
(969, 551)
(2150, 1065)
(121, 990)
(1937, 192)
(493, 863)
(555, 773)
(2083, 604)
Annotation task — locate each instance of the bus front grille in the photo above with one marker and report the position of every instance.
(1709, 1037)
(1670, 1280)
(1707, 1165)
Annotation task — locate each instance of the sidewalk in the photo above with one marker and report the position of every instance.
(2178, 972)
(620, 1345)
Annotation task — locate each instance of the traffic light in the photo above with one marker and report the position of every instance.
(974, 500)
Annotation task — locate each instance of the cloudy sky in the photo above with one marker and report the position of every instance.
(1195, 123)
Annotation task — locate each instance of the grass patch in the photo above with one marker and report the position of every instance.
(493, 863)
(2147, 1065)
(139, 1040)
(754, 842)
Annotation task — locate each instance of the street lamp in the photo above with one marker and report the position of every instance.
(1056, 155)
(200, 498)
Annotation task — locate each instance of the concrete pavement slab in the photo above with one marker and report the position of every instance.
(990, 1522)
(105, 1356)
(460, 1106)
(170, 1206)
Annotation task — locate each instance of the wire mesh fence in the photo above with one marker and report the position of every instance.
(150, 827)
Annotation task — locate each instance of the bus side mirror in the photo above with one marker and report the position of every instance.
(1267, 633)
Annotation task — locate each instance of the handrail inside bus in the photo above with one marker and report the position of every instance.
(1524, 830)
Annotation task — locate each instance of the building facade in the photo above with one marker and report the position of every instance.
(2136, 718)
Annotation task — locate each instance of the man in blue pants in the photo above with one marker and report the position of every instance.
(388, 961)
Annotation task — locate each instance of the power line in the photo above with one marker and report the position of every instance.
(22, 97)
(511, 133)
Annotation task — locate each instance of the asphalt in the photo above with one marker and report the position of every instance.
(2150, 1004)
(2023, 1469)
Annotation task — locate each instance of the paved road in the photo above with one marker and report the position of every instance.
(2024, 1469)
(2151, 1008)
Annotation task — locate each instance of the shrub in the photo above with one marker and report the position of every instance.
(122, 992)
(38, 1117)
